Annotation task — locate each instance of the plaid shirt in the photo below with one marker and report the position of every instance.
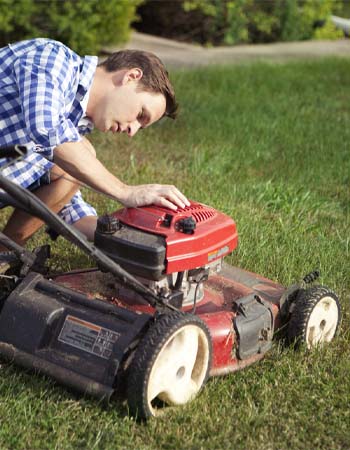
(44, 88)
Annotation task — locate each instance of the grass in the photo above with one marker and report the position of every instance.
(268, 145)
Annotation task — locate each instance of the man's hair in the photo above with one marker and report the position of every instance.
(155, 77)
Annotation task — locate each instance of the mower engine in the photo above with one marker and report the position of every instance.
(172, 253)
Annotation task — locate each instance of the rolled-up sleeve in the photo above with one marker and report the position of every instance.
(43, 79)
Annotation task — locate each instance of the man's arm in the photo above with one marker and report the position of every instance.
(78, 159)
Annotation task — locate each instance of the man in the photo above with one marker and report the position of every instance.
(49, 98)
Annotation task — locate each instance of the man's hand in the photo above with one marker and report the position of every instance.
(154, 194)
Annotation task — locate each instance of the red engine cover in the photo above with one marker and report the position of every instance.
(214, 236)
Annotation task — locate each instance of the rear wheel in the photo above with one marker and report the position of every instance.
(170, 365)
(315, 317)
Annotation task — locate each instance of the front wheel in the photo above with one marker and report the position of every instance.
(315, 317)
(170, 365)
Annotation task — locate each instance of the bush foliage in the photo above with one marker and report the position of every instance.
(83, 25)
(215, 22)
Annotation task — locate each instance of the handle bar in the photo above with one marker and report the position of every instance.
(13, 151)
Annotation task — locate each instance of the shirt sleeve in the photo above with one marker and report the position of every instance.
(45, 79)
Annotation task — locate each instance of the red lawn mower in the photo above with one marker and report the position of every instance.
(159, 315)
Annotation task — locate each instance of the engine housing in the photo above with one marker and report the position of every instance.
(152, 241)
(172, 253)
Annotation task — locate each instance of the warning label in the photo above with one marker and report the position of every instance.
(218, 253)
(88, 336)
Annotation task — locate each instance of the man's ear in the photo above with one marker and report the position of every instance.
(124, 76)
(134, 74)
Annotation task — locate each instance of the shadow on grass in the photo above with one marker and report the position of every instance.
(24, 382)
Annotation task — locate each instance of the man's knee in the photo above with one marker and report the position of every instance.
(56, 173)
(62, 185)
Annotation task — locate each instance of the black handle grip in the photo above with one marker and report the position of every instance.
(12, 151)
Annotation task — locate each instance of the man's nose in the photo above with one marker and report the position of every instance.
(133, 128)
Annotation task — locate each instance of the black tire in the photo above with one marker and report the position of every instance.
(166, 335)
(315, 317)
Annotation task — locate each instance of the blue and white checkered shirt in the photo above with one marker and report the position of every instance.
(44, 89)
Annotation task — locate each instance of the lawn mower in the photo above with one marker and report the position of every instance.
(159, 314)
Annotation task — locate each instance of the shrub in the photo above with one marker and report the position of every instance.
(303, 19)
(16, 19)
(328, 31)
(83, 25)
(238, 21)
(169, 18)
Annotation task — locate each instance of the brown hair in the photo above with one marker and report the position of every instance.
(155, 77)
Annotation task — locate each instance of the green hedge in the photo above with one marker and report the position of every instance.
(84, 25)
(239, 21)
(217, 22)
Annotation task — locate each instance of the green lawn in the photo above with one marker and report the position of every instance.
(268, 145)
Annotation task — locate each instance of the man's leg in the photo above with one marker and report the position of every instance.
(87, 226)
(21, 226)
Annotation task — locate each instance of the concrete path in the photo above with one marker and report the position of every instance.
(180, 55)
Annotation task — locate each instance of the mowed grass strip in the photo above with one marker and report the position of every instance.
(268, 145)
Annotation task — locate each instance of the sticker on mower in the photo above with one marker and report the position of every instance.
(218, 253)
(88, 337)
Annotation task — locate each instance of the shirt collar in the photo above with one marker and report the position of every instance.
(89, 64)
(88, 68)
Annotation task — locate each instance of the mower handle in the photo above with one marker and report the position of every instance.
(13, 151)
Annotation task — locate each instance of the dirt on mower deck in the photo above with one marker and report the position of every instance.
(180, 55)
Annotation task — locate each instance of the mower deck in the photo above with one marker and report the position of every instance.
(220, 308)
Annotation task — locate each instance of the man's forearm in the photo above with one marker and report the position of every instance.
(78, 159)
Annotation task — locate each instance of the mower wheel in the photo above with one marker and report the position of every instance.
(315, 317)
(170, 365)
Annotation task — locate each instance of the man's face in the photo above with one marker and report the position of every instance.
(125, 108)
